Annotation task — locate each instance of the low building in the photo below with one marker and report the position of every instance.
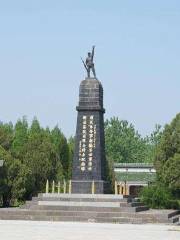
(131, 177)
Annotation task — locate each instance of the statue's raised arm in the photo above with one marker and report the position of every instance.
(92, 54)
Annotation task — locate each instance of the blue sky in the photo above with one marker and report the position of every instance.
(137, 59)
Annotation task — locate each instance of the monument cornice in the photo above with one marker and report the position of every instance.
(90, 108)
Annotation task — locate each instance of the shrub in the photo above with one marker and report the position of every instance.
(157, 196)
(174, 204)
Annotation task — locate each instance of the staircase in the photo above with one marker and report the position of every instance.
(88, 208)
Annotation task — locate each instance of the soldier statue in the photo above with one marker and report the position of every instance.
(89, 64)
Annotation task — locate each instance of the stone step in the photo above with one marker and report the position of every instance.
(88, 204)
(88, 214)
(120, 203)
(74, 195)
(96, 216)
(66, 199)
(78, 218)
(135, 204)
(164, 215)
(90, 208)
(79, 204)
(174, 213)
(175, 219)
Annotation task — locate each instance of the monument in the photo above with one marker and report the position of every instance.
(89, 162)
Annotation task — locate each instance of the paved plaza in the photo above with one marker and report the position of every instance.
(31, 230)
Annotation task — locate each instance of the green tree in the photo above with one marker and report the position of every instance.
(20, 138)
(152, 142)
(32, 155)
(40, 156)
(61, 147)
(157, 196)
(123, 142)
(6, 135)
(71, 145)
(15, 178)
(167, 157)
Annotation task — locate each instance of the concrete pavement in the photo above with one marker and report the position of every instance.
(32, 230)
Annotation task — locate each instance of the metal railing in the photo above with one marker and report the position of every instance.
(60, 187)
(66, 187)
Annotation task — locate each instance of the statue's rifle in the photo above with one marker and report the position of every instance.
(84, 64)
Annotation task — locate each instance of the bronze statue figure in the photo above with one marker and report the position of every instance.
(89, 64)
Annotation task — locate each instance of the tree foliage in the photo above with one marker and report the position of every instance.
(62, 149)
(71, 144)
(167, 157)
(158, 196)
(31, 155)
(125, 144)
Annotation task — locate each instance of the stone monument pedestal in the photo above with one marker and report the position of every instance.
(87, 187)
(89, 162)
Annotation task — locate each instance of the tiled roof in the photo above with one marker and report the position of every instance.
(133, 176)
(133, 165)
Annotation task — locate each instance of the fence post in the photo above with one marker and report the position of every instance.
(93, 187)
(47, 186)
(70, 186)
(59, 187)
(53, 186)
(64, 186)
(115, 186)
(121, 189)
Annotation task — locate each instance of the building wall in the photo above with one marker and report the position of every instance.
(130, 178)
